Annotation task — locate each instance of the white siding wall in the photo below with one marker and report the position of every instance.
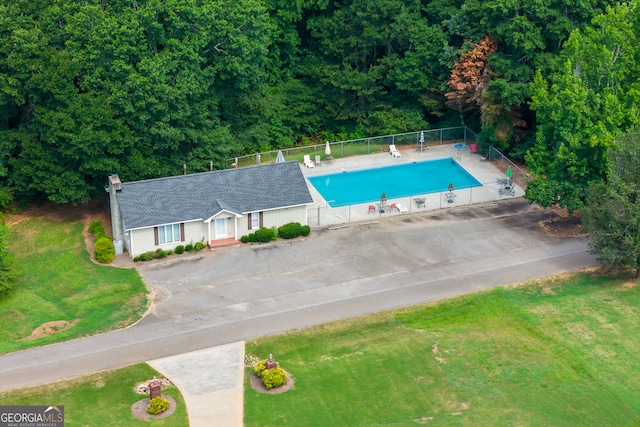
(143, 240)
(283, 216)
(193, 232)
(275, 218)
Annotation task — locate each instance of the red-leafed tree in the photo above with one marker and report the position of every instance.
(469, 77)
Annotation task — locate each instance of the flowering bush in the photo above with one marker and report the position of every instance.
(274, 377)
(271, 378)
(260, 367)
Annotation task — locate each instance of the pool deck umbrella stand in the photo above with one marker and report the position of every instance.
(509, 183)
(327, 153)
(383, 203)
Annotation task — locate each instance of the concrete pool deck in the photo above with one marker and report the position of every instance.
(320, 213)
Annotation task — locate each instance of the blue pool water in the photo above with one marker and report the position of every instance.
(407, 179)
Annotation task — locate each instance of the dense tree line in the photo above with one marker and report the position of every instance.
(589, 98)
(612, 212)
(141, 87)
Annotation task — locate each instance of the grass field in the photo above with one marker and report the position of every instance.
(59, 283)
(102, 399)
(561, 352)
(556, 352)
(337, 152)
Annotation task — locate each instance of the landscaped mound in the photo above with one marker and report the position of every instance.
(271, 378)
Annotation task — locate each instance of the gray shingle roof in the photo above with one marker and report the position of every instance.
(202, 195)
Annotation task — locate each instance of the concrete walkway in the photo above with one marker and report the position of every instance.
(211, 383)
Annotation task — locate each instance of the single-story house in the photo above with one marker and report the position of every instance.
(206, 207)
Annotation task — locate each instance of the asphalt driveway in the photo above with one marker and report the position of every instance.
(239, 293)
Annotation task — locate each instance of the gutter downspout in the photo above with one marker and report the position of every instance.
(130, 241)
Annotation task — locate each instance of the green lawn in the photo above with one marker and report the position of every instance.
(59, 282)
(549, 353)
(102, 399)
(338, 151)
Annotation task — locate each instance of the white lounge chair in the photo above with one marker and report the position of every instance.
(401, 209)
(394, 151)
(307, 162)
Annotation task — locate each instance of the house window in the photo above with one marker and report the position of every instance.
(169, 233)
(255, 220)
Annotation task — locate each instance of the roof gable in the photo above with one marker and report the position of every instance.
(202, 195)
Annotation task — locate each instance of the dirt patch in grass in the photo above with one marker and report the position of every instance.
(580, 330)
(561, 224)
(325, 358)
(52, 328)
(547, 290)
(58, 213)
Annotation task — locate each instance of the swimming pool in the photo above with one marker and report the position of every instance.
(407, 179)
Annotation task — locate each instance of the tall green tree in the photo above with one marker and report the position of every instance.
(590, 97)
(529, 35)
(373, 62)
(612, 213)
(138, 88)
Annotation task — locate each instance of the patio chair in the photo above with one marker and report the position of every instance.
(307, 161)
(394, 151)
(402, 209)
(393, 206)
(372, 209)
(318, 162)
(507, 191)
(506, 187)
(473, 148)
(450, 197)
(419, 201)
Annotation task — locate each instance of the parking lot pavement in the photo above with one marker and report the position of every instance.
(238, 293)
